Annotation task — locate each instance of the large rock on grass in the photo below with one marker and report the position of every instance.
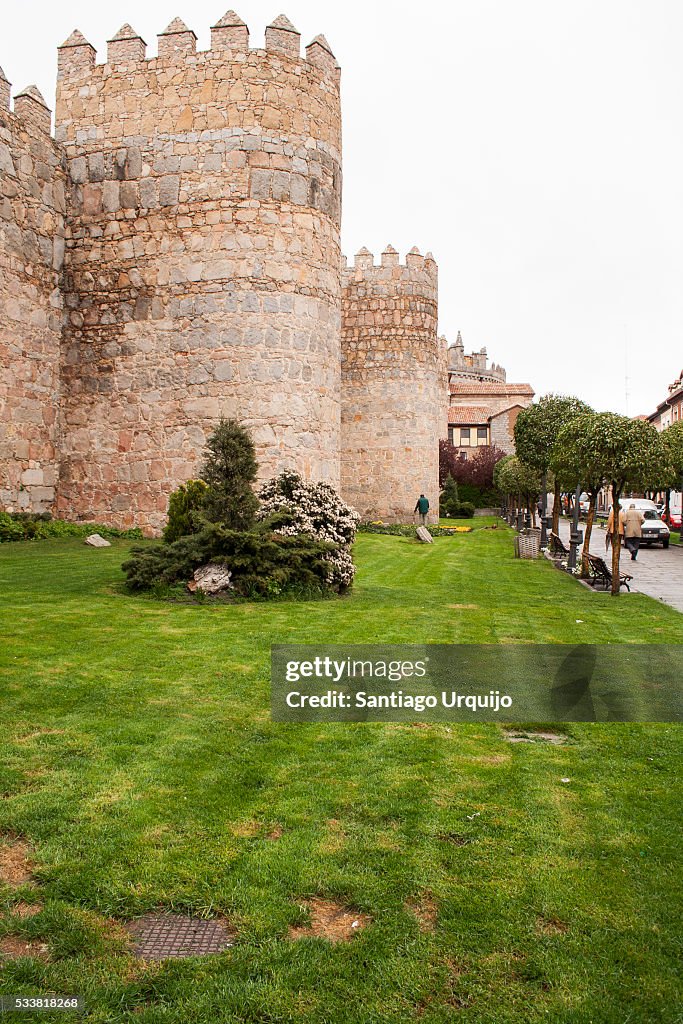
(95, 541)
(424, 535)
(211, 579)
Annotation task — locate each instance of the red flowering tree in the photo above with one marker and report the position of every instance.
(474, 475)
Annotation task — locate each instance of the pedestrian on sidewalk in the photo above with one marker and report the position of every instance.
(610, 527)
(422, 506)
(633, 522)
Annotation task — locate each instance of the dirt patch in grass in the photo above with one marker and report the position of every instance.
(533, 736)
(330, 921)
(466, 607)
(12, 947)
(275, 833)
(246, 829)
(425, 910)
(36, 734)
(455, 838)
(550, 926)
(16, 866)
(25, 910)
(335, 838)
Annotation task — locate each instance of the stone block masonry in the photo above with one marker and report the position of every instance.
(392, 385)
(172, 257)
(32, 213)
(202, 263)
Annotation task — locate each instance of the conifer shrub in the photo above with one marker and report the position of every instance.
(449, 499)
(184, 510)
(263, 563)
(229, 471)
(450, 504)
(295, 538)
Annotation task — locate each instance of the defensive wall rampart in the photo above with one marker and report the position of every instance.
(32, 214)
(392, 384)
(202, 260)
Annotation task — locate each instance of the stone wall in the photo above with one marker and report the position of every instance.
(503, 428)
(32, 207)
(392, 385)
(202, 271)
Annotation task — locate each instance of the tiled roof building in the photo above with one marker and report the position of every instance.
(483, 406)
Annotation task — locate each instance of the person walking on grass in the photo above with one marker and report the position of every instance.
(422, 506)
(633, 521)
(610, 528)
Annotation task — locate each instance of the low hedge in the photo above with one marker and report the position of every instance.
(31, 526)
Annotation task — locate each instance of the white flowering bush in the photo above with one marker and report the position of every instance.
(297, 507)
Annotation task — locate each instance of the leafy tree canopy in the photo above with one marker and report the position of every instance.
(607, 448)
(537, 428)
(512, 476)
(578, 456)
(672, 440)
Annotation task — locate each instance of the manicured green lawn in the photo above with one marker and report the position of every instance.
(139, 761)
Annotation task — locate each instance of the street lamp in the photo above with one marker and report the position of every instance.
(544, 510)
(575, 534)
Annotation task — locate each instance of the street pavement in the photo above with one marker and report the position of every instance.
(656, 572)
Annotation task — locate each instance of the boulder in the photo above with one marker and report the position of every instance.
(211, 579)
(95, 541)
(424, 535)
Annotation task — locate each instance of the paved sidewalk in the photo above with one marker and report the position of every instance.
(656, 572)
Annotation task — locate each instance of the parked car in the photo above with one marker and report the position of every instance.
(674, 517)
(654, 529)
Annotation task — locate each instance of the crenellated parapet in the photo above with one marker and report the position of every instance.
(126, 47)
(31, 108)
(474, 365)
(177, 44)
(230, 33)
(392, 302)
(5, 91)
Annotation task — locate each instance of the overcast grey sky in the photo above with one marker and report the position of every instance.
(534, 146)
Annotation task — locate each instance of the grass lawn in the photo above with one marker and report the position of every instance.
(139, 761)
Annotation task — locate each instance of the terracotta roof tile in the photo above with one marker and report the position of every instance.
(476, 387)
(468, 414)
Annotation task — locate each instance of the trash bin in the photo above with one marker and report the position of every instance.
(528, 543)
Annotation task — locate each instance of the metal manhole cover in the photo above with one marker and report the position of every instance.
(158, 936)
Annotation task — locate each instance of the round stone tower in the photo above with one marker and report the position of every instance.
(392, 385)
(202, 261)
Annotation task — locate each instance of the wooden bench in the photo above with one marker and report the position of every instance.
(558, 549)
(602, 574)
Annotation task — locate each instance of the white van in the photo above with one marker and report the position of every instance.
(654, 529)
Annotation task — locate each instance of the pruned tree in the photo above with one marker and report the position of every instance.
(577, 459)
(672, 440)
(536, 430)
(513, 478)
(632, 455)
